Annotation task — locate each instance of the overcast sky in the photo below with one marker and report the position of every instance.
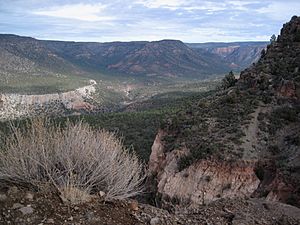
(131, 20)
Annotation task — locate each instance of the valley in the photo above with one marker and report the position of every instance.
(127, 73)
(157, 132)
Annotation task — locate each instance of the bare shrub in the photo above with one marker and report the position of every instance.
(77, 160)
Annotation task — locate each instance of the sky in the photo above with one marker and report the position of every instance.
(191, 21)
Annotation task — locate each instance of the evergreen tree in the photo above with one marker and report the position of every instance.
(228, 81)
(273, 38)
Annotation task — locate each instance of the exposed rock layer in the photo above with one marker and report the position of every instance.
(202, 182)
(15, 105)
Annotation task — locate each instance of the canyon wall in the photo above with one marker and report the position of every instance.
(202, 182)
(16, 105)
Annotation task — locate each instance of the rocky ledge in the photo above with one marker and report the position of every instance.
(16, 105)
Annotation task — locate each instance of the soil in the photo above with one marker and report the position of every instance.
(24, 206)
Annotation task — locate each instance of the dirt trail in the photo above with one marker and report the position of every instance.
(251, 140)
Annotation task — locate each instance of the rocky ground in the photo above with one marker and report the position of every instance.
(24, 206)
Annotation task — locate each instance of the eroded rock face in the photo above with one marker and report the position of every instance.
(16, 105)
(202, 182)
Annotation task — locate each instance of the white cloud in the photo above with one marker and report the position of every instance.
(84, 12)
(170, 4)
(280, 11)
(242, 3)
(188, 5)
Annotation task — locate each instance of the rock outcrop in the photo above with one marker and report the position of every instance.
(203, 181)
(16, 105)
(277, 72)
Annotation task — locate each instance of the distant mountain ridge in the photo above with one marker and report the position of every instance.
(238, 55)
(166, 58)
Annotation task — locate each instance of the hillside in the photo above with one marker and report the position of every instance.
(24, 55)
(238, 55)
(242, 141)
(167, 58)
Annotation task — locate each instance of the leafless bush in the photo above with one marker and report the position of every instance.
(76, 160)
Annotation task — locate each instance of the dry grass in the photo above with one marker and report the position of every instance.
(77, 160)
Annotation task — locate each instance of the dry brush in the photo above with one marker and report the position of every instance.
(76, 160)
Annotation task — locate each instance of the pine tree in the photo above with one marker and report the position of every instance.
(273, 38)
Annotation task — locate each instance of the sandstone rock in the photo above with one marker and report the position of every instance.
(157, 154)
(16, 105)
(202, 182)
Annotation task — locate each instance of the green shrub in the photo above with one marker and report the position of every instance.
(202, 151)
(228, 81)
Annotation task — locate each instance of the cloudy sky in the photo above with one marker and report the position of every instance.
(131, 20)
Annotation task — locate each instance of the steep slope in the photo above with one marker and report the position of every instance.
(24, 55)
(238, 55)
(93, 56)
(168, 58)
(243, 141)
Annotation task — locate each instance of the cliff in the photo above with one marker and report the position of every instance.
(238, 55)
(203, 181)
(16, 105)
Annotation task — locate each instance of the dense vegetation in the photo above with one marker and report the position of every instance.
(212, 126)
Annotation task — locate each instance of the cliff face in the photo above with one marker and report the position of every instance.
(202, 182)
(238, 56)
(243, 141)
(16, 106)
